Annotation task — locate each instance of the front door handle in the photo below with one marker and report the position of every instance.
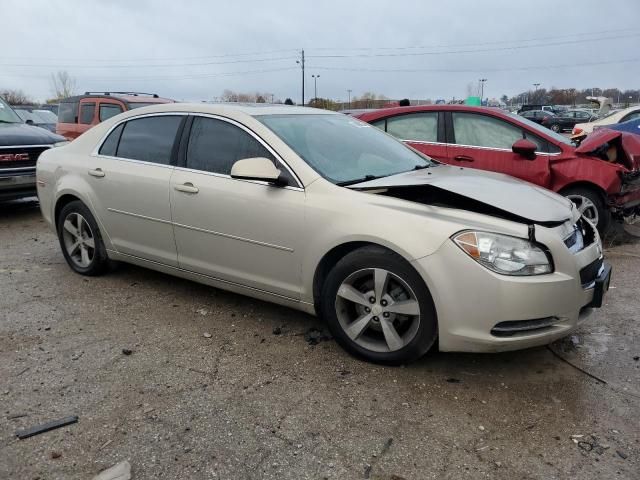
(96, 173)
(187, 187)
(463, 158)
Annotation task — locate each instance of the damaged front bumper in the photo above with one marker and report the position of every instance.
(482, 311)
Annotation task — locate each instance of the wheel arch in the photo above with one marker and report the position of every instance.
(588, 185)
(334, 255)
(61, 202)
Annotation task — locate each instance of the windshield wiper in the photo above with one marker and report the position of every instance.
(7, 121)
(421, 167)
(366, 178)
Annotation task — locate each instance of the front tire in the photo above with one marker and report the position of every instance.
(591, 205)
(81, 241)
(555, 127)
(378, 308)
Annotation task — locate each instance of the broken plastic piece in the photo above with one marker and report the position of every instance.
(30, 432)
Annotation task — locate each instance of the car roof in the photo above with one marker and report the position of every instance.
(129, 98)
(389, 112)
(252, 109)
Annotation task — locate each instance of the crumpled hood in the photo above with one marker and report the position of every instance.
(629, 142)
(22, 134)
(516, 197)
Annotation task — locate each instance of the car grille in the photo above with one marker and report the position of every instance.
(582, 236)
(589, 273)
(33, 152)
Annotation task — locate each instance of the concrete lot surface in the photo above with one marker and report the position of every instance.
(257, 399)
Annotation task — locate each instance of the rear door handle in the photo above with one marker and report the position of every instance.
(463, 158)
(187, 187)
(96, 173)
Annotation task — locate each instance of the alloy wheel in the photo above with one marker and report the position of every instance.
(78, 238)
(377, 310)
(586, 207)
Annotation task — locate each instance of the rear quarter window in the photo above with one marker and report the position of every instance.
(67, 112)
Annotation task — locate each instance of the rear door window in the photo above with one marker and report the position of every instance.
(108, 110)
(87, 111)
(421, 126)
(149, 139)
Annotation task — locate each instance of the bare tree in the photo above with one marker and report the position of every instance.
(63, 85)
(15, 97)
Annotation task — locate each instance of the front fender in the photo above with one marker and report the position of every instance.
(592, 170)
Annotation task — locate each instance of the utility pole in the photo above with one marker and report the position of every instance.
(315, 88)
(349, 92)
(301, 62)
(272, 98)
(482, 80)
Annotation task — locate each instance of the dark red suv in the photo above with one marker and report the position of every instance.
(601, 177)
(78, 114)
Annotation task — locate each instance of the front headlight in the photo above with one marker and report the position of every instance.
(504, 254)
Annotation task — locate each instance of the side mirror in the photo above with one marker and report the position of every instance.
(258, 168)
(29, 122)
(525, 148)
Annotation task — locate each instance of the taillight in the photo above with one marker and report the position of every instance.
(544, 119)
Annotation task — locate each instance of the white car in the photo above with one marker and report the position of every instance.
(329, 215)
(581, 130)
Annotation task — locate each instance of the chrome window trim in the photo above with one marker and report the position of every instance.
(96, 150)
(423, 142)
(132, 160)
(229, 177)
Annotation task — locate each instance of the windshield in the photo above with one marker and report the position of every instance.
(7, 115)
(544, 130)
(47, 115)
(342, 149)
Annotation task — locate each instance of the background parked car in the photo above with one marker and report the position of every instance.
(581, 130)
(632, 126)
(20, 147)
(537, 116)
(78, 114)
(489, 139)
(567, 120)
(37, 117)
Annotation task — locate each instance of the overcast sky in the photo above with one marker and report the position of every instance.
(193, 50)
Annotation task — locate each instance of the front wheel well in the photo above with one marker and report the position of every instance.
(589, 186)
(328, 261)
(60, 204)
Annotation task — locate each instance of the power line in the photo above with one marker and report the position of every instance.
(450, 52)
(152, 65)
(498, 42)
(165, 77)
(147, 59)
(471, 70)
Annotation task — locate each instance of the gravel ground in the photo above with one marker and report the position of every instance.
(217, 385)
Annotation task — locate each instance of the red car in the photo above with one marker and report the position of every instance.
(602, 176)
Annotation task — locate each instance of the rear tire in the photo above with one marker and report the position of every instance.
(555, 127)
(81, 241)
(591, 204)
(378, 307)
